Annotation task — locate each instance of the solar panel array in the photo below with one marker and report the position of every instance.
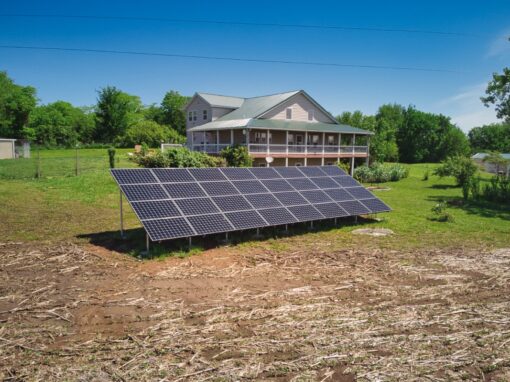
(173, 203)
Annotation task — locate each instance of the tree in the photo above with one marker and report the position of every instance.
(461, 168)
(60, 124)
(172, 111)
(493, 137)
(116, 111)
(16, 103)
(237, 156)
(498, 94)
(389, 119)
(150, 133)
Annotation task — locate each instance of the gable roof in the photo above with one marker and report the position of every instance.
(484, 155)
(222, 101)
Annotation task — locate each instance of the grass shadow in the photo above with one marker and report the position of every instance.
(134, 241)
(443, 186)
(478, 207)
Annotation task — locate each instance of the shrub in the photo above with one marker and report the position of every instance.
(498, 190)
(237, 156)
(425, 175)
(149, 133)
(178, 157)
(441, 214)
(111, 157)
(345, 166)
(461, 168)
(379, 173)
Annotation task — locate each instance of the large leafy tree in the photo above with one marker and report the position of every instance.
(116, 111)
(493, 137)
(61, 124)
(16, 103)
(498, 94)
(172, 111)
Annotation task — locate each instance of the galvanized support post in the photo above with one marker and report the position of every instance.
(147, 243)
(121, 216)
(336, 222)
(189, 243)
(311, 225)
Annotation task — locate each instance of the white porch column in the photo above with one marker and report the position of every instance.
(322, 162)
(323, 143)
(306, 142)
(286, 161)
(232, 137)
(306, 161)
(267, 142)
(217, 141)
(286, 144)
(339, 146)
(353, 152)
(205, 140)
(368, 151)
(352, 166)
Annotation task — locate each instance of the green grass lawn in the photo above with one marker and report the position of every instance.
(86, 208)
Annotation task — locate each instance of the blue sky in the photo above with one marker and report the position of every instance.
(76, 76)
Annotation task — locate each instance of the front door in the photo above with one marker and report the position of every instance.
(300, 139)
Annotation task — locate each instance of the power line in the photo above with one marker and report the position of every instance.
(236, 59)
(242, 23)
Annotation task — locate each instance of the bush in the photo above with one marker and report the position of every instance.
(498, 190)
(237, 156)
(149, 133)
(178, 157)
(441, 214)
(380, 173)
(461, 168)
(345, 166)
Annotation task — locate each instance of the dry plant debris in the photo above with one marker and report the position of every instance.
(74, 313)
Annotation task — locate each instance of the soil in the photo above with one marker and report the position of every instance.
(85, 313)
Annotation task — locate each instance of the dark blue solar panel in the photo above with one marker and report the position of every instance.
(312, 171)
(144, 192)
(360, 193)
(346, 181)
(196, 206)
(205, 174)
(164, 229)
(234, 173)
(289, 172)
(290, 198)
(324, 182)
(183, 190)
(207, 224)
(333, 170)
(232, 203)
(302, 184)
(173, 175)
(249, 186)
(306, 213)
(331, 210)
(277, 216)
(316, 196)
(263, 201)
(133, 176)
(155, 209)
(245, 219)
(219, 188)
(354, 207)
(338, 194)
(375, 205)
(265, 173)
(276, 185)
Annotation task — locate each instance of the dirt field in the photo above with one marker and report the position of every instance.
(86, 314)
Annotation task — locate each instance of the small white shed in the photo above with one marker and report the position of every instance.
(14, 148)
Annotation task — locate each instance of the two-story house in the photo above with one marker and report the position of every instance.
(286, 129)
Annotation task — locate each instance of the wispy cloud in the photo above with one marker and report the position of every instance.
(500, 45)
(466, 109)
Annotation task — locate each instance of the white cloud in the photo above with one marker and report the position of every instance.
(500, 45)
(466, 109)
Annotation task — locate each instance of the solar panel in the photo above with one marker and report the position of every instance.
(136, 192)
(265, 173)
(291, 198)
(306, 213)
(174, 203)
(204, 174)
(133, 176)
(245, 219)
(196, 206)
(277, 185)
(331, 210)
(207, 224)
(156, 209)
(277, 216)
(232, 203)
(375, 205)
(174, 175)
(165, 229)
(234, 173)
(249, 186)
(184, 190)
(263, 201)
(219, 188)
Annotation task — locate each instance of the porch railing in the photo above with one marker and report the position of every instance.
(212, 148)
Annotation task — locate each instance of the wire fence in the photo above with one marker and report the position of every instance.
(65, 163)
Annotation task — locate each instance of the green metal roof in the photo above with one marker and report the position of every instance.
(222, 101)
(278, 124)
(253, 107)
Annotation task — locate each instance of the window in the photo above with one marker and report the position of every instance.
(204, 114)
(260, 137)
(288, 112)
(290, 140)
(194, 115)
(331, 140)
(311, 115)
(190, 116)
(313, 139)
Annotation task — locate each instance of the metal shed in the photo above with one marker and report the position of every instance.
(7, 148)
